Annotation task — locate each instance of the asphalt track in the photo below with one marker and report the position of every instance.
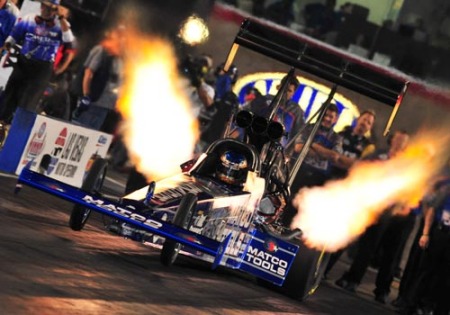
(49, 269)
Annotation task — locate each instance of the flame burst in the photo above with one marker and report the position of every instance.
(334, 215)
(159, 128)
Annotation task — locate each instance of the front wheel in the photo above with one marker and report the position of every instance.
(92, 184)
(183, 216)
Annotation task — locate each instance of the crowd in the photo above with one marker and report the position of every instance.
(44, 47)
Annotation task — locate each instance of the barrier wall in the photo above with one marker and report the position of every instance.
(67, 150)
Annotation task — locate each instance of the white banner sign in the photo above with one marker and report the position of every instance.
(68, 148)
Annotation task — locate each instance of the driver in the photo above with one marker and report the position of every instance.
(232, 168)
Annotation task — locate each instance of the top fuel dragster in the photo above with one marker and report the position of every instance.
(202, 214)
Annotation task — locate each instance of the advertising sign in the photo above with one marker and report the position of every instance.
(68, 150)
(309, 95)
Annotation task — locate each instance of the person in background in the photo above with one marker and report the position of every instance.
(426, 287)
(320, 18)
(280, 11)
(55, 101)
(315, 169)
(214, 119)
(201, 92)
(8, 16)
(289, 113)
(355, 145)
(40, 36)
(325, 149)
(371, 238)
(250, 94)
(100, 81)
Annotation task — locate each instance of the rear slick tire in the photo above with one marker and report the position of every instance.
(306, 272)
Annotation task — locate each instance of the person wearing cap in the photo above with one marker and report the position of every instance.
(40, 36)
(8, 16)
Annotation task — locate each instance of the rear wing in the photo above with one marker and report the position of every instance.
(303, 54)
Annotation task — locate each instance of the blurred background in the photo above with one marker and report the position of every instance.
(412, 36)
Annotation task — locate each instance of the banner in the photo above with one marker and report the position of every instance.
(66, 150)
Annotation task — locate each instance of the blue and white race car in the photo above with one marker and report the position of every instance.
(226, 207)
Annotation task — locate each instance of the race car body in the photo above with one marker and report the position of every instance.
(220, 223)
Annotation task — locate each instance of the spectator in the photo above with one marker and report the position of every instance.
(390, 249)
(8, 16)
(280, 12)
(355, 145)
(420, 32)
(428, 292)
(225, 80)
(326, 147)
(250, 94)
(202, 93)
(370, 240)
(320, 18)
(100, 82)
(40, 36)
(289, 112)
(55, 101)
(413, 264)
(219, 113)
(65, 54)
(343, 13)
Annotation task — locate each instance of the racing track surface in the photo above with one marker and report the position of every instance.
(49, 269)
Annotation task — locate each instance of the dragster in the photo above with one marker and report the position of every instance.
(195, 213)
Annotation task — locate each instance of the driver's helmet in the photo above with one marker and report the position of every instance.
(232, 168)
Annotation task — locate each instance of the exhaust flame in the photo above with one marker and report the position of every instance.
(334, 215)
(159, 128)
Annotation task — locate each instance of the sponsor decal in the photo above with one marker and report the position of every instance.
(125, 213)
(102, 140)
(40, 38)
(56, 152)
(266, 261)
(67, 153)
(36, 145)
(309, 95)
(271, 246)
(189, 238)
(74, 148)
(56, 187)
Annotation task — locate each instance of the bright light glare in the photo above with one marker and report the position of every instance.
(194, 31)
